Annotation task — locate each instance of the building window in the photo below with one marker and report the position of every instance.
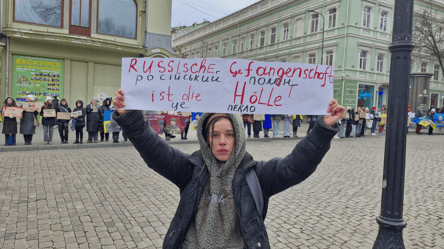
(216, 52)
(252, 41)
(192, 56)
(197, 54)
(285, 31)
(332, 18)
(242, 44)
(224, 49)
(262, 39)
(383, 24)
(314, 23)
(312, 59)
(366, 19)
(329, 58)
(234, 46)
(273, 36)
(209, 52)
(424, 67)
(363, 60)
(299, 28)
(117, 17)
(44, 12)
(436, 72)
(380, 63)
(283, 60)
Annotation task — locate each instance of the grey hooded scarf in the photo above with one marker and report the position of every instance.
(216, 224)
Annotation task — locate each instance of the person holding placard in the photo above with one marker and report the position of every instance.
(48, 120)
(80, 121)
(296, 124)
(224, 191)
(64, 123)
(105, 107)
(257, 125)
(376, 119)
(9, 123)
(93, 117)
(29, 122)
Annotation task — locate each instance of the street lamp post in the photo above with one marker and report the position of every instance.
(323, 31)
(390, 220)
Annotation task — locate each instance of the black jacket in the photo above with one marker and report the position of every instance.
(80, 120)
(183, 170)
(93, 119)
(48, 121)
(64, 108)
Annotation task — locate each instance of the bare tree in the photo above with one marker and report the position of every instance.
(50, 13)
(106, 25)
(428, 35)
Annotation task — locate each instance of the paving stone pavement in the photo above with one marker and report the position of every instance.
(109, 198)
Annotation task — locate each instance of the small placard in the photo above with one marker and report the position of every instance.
(32, 106)
(64, 115)
(411, 115)
(49, 113)
(371, 116)
(362, 115)
(76, 114)
(12, 112)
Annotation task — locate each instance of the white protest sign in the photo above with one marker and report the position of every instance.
(226, 86)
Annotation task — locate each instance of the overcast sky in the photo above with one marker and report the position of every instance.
(186, 12)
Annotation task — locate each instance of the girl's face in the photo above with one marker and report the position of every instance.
(63, 102)
(222, 140)
(9, 102)
(78, 105)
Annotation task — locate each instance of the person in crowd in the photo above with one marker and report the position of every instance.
(358, 120)
(350, 119)
(115, 129)
(106, 106)
(376, 120)
(48, 122)
(267, 125)
(93, 118)
(287, 124)
(363, 120)
(187, 120)
(430, 114)
(343, 126)
(382, 122)
(79, 122)
(9, 123)
(257, 125)
(64, 123)
(29, 122)
(217, 207)
(296, 124)
(368, 121)
(354, 120)
(55, 102)
(247, 118)
(276, 123)
(311, 123)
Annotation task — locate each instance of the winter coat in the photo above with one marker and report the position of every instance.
(64, 108)
(80, 120)
(268, 123)
(55, 102)
(48, 121)
(297, 121)
(93, 119)
(114, 126)
(9, 124)
(27, 123)
(188, 173)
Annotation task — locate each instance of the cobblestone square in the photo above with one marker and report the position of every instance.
(109, 198)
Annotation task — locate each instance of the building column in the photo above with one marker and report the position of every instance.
(90, 87)
(67, 80)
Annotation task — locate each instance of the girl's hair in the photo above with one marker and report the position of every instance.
(48, 105)
(6, 101)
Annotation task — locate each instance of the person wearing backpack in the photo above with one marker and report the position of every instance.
(79, 122)
(224, 191)
(64, 123)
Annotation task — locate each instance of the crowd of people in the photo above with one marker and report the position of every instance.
(92, 117)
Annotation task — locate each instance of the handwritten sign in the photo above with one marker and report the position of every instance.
(49, 113)
(64, 115)
(226, 86)
(31, 106)
(76, 114)
(12, 112)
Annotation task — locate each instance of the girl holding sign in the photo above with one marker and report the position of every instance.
(224, 191)
(29, 122)
(63, 123)
(80, 121)
(9, 124)
(48, 120)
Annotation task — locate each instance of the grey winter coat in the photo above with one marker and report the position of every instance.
(188, 173)
(27, 123)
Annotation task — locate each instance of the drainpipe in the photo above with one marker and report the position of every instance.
(1, 16)
(145, 38)
(7, 67)
(343, 57)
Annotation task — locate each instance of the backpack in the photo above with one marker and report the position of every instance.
(255, 188)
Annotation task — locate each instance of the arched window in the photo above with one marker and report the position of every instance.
(43, 12)
(117, 17)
